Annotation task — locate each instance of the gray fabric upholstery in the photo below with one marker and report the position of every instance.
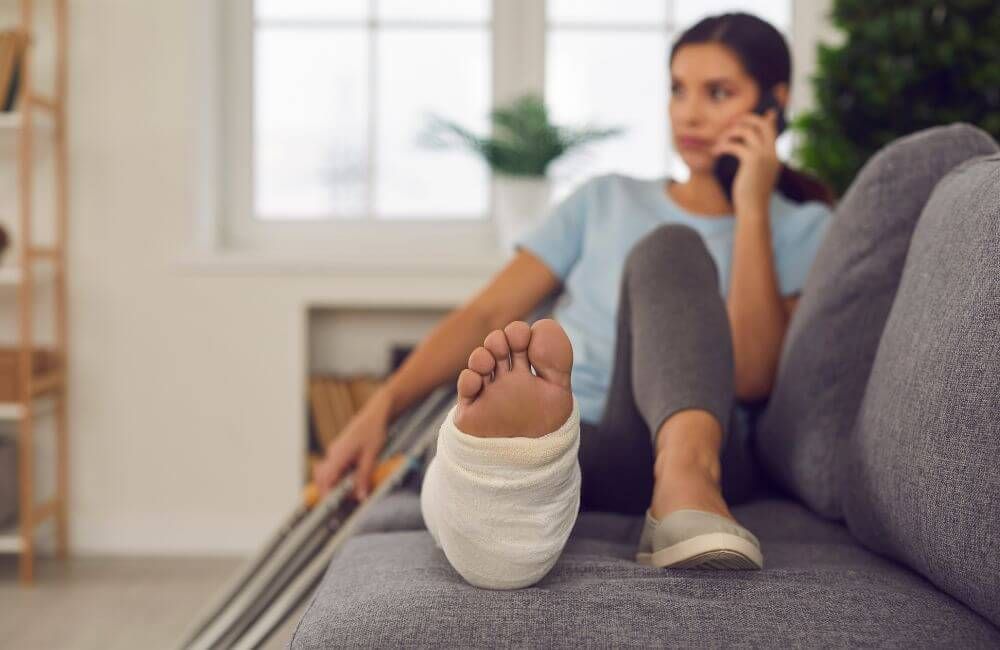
(830, 344)
(922, 466)
(819, 588)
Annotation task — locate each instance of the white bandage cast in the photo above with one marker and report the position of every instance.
(502, 509)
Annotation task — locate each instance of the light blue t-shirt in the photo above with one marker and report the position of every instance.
(587, 236)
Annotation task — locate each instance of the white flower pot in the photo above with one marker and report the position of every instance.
(519, 203)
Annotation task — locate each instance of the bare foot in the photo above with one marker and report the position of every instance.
(499, 397)
(687, 468)
(687, 486)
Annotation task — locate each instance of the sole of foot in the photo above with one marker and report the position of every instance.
(500, 396)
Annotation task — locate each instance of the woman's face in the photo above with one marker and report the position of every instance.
(709, 90)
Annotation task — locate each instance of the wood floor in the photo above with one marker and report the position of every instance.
(111, 603)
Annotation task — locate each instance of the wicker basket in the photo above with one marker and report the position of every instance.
(45, 359)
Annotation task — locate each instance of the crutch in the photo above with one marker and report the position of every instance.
(247, 571)
(256, 578)
(299, 537)
(341, 524)
(306, 580)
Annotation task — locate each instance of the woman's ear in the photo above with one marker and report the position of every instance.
(781, 94)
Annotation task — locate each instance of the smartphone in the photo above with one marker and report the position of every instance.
(727, 164)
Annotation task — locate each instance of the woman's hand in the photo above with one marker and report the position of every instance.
(751, 139)
(360, 441)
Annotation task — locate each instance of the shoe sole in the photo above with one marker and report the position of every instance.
(708, 551)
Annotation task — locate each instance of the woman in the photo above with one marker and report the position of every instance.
(674, 304)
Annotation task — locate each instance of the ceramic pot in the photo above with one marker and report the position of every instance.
(520, 203)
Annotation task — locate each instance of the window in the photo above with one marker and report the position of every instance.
(599, 52)
(341, 90)
(323, 102)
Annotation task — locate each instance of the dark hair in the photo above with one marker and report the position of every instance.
(762, 50)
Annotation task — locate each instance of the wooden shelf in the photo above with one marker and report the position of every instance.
(12, 275)
(14, 120)
(38, 113)
(10, 539)
(14, 411)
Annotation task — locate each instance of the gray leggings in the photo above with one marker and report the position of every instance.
(673, 351)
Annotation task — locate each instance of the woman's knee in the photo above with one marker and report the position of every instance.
(673, 252)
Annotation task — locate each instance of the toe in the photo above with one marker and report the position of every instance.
(482, 362)
(469, 385)
(550, 352)
(496, 343)
(518, 334)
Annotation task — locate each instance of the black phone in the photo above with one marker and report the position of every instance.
(727, 164)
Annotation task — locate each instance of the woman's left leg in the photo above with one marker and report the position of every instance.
(669, 426)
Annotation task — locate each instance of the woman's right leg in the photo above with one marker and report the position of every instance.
(671, 397)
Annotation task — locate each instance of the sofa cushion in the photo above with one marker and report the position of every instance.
(922, 465)
(831, 341)
(818, 588)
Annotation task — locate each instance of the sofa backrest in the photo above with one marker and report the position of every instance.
(920, 470)
(831, 340)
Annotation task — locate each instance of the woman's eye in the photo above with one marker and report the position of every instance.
(675, 89)
(719, 93)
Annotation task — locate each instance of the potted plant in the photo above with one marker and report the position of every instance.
(518, 152)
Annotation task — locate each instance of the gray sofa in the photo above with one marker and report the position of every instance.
(879, 515)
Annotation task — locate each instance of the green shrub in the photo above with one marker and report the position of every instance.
(903, 66)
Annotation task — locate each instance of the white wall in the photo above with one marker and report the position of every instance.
(186, 380)
(186, 404)
(810, 24)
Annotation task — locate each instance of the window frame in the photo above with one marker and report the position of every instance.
(518, 46)
(408, 242)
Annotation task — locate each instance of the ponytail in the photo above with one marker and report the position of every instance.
(801, 187)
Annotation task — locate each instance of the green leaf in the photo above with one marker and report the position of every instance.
(524, 140)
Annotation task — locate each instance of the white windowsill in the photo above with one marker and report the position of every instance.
(313, 282)
(235, 262)
(350, 248)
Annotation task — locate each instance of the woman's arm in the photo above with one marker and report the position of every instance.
(439, 358)
(758, 315)
(512, 294)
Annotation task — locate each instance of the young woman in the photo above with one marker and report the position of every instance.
(673, 306)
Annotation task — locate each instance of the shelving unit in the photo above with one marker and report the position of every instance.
(38, 113)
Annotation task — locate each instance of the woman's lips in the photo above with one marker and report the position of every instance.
(688, 142)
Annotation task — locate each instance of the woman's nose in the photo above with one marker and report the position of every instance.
(687, 111)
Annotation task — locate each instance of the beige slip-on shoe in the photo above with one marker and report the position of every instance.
(696, 539)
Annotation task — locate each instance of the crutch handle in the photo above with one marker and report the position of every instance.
(385, 469)
(310, 495)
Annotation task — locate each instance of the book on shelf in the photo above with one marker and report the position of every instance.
(333, 401)
(13, 45)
